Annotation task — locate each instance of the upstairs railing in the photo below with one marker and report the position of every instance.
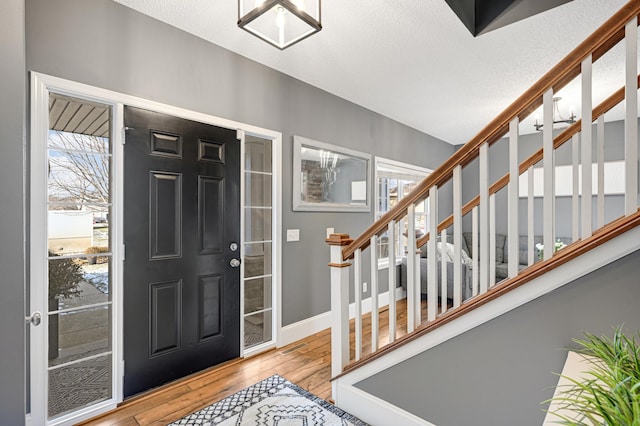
(461, 267)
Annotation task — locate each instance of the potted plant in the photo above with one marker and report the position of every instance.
(609, 392)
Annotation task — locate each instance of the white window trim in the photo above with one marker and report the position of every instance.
(383, 263)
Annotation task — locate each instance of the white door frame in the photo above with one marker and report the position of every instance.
(41, 86)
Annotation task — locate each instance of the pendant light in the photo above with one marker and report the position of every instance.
(557, 117)
(281, 23)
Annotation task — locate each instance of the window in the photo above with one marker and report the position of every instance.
(80, 262)
(258, 242)
(395, 180)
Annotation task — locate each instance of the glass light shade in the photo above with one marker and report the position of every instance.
(281, 23)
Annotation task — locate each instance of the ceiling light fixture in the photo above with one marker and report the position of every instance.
(557, 117)
(281, 23)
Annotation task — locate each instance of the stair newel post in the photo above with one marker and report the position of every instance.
(339, 302)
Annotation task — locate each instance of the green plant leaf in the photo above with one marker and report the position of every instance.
(609, 393)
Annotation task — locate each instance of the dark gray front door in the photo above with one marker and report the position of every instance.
(181, 216)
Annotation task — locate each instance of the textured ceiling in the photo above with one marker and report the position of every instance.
(413, 60)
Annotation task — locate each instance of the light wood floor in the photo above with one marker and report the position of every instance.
(307, 363)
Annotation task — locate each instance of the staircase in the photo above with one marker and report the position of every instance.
(477, 296)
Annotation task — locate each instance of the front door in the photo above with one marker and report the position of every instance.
(181, 235)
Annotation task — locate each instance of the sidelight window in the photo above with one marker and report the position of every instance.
(258, 243)
(79, 235)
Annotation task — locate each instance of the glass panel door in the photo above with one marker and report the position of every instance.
(258, 243)
(79, 256)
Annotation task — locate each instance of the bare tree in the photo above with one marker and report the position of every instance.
(78, 168)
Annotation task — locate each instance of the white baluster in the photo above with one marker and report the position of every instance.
(586, 139)
(631, 118)
(457, 236)
(492, 240)
(575, 195)
(600, 157)
(474, 249)
(484, 218)
(339, 303)
(402, 238)
(374, 293)
(514, 182)
(357, 278)
(418, 280)
(549, 175)
(392, 281)
(432, 266)
(530, 218)
(443, 273)
(411, 267)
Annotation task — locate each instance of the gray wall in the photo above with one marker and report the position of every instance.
(500, 372)
(107, 45)
(12, 171)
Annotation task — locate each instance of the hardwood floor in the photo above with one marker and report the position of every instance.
(307, 363)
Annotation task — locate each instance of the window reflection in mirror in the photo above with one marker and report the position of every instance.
(327, 177)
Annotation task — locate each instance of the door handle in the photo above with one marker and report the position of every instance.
(34, 319)
(234, 263)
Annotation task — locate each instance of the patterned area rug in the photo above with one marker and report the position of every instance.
(271, 402)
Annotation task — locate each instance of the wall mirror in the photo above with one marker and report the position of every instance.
(329, 178)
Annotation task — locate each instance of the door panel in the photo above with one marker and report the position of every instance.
(210, 215)
(210, 308)
(182, 212)
(165, 221)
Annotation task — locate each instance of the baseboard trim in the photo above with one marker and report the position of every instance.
(305, 328)
(373, 410)
(301, 329)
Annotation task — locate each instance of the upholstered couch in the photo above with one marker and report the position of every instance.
(502, 262)
(502, 251)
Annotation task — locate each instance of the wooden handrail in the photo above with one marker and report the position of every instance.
(604, 107)
(570, 252)
(596, 45)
